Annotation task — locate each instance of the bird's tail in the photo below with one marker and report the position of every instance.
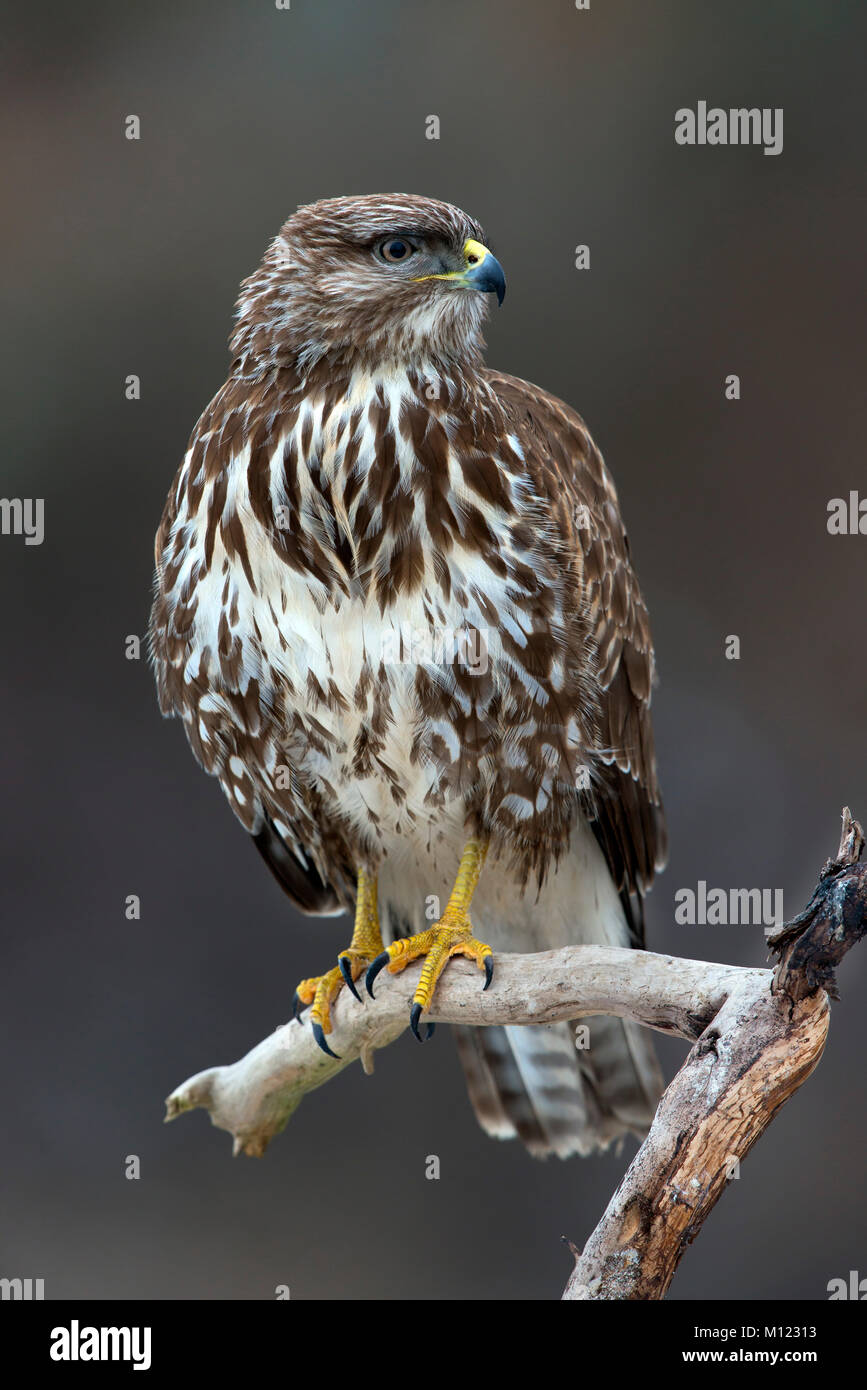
(534, 1083)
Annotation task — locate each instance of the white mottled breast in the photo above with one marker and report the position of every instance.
(290, 627)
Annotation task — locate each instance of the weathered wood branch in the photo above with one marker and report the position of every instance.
(758, 1049)
(254, 1098)
(757, 1036)
(812, 945)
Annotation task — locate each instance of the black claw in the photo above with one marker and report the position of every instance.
(489, 972)
(414, 1016)
(346, 972)
(373, 970)
(297, 1006)
(320, 1038)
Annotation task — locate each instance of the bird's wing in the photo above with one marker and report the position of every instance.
(302, 885)
(625, 806)
(234, 731)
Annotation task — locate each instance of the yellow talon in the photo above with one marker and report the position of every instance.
(322, 990)
(451, 936)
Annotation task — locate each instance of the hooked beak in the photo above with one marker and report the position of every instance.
(482, 271)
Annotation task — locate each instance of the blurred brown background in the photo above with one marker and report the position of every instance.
(557, 128)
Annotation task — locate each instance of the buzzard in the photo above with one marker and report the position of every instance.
(396, 612)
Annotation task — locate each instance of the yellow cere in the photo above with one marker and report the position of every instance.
(474, 254)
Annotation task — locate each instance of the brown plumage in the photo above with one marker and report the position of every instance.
(395, 607)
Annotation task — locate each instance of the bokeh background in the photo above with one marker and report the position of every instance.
(119, 257)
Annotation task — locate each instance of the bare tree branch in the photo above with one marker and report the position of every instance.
(744, 1066)
(757, 1036)
(761, 1046)
(254, 1098)
(814, 942)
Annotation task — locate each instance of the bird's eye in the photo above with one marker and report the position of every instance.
(396, 248)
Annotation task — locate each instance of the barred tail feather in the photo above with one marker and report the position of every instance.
(532, 1083)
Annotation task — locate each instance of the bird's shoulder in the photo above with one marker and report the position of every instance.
(557, 444)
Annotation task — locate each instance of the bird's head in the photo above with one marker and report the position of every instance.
(386, 278)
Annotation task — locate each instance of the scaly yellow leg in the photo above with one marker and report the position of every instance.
(451, 936)
(366, 944)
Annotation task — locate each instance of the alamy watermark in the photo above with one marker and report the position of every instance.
(23, 516)
(77, 1343)
(712, 907)
(738, 126)
(22, 1290)
(436, 646)
(847, 516)
(855, 1288)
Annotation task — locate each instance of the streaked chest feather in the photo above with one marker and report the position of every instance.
(381, 588)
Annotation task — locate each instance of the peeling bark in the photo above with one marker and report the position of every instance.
(746, 1065)
(759, 1048)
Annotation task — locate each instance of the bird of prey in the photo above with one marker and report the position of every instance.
(396, 612)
